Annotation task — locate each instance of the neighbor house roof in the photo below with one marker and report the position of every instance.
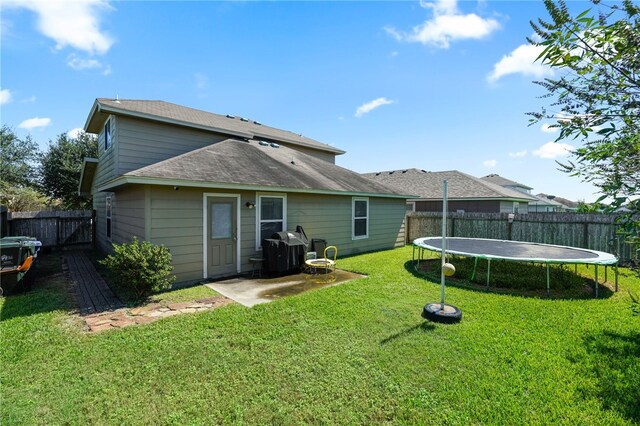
(544, 201)
(166, 112)
(563, 201)
(255, 165)
(461, 186)
(499, 180)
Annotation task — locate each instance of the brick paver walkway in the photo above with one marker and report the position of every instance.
(94, 295)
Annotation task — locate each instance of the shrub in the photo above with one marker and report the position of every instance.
(142, 267)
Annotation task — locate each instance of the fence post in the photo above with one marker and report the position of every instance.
(93, 228)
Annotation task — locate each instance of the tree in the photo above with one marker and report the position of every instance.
(61, 165)
(17, 159)
(22, 199)
(596, 100)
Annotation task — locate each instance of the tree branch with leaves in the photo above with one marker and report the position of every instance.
(596, 99)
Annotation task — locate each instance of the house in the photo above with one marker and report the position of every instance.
(466, 193)
(567, 205)
(211, 187)
(545, 205)
(507, 183)
(542, 202)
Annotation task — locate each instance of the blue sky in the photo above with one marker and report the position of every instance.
(434, 85)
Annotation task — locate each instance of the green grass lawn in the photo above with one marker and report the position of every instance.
(356, 353)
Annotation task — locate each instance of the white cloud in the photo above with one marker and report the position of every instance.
(446, 25)
(70, 22)
(370, 106)
(518, 154)
(520, 61)
(82, 64)
(548, 129)
(553, 150)
(490, 164)
(74, 133)
(31, 99)
(35, 122)
(5, 96)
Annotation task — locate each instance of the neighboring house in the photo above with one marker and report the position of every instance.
(541, 203)
(545, 205)
(211, 187)
(507, 183)
(466, 193)
(567, 205)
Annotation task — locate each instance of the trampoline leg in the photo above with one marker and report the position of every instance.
(596, 281)
(488, 271)
(605, 273)
(548, 287)
(475, 265)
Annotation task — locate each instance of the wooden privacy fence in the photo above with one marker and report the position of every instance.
(585, 230)
(54, 228)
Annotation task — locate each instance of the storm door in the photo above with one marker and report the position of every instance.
(222, 238)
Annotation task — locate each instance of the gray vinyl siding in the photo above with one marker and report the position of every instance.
(142, 142)
(128, 217)
(106, 168)
(330, 218)
(507, 207)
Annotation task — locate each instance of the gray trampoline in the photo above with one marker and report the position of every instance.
(515, 251)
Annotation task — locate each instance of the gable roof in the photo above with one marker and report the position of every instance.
(461, 186)
(255, 165)
(499, 180)
(544, 201)
(563, 201)
(189, 117)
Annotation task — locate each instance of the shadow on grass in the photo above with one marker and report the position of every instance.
(50, 292)
(423, 326)
(512, 279)
(612, 361)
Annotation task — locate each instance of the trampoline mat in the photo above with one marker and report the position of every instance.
(509, 249)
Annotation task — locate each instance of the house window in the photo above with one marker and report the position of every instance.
(515, 207)
(360, 209)
(108, 217)
(107, 134)
(272, 216)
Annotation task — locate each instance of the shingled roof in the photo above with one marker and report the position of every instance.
(166, 112)
(502, 181)
(255, 165)
(461, 186)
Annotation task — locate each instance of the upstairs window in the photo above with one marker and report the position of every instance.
(360, 209)
(107, 135)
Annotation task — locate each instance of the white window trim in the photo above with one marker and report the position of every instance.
(108, 123)
(353, 218)
(259, 196)
(108, 214)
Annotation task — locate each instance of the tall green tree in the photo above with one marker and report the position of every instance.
(61, 166)
(596, 98)
(18, 159)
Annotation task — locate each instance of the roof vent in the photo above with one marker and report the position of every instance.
(378, 174)
(293, 162)
(244, 119)
(392, 172)
(274, 145)
(257, 122)
(231, 116)
(423, 171)
(263, 143)
(405, 171)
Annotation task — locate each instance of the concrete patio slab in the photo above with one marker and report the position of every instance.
(253, 291)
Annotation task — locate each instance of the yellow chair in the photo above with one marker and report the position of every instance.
(324, 263)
